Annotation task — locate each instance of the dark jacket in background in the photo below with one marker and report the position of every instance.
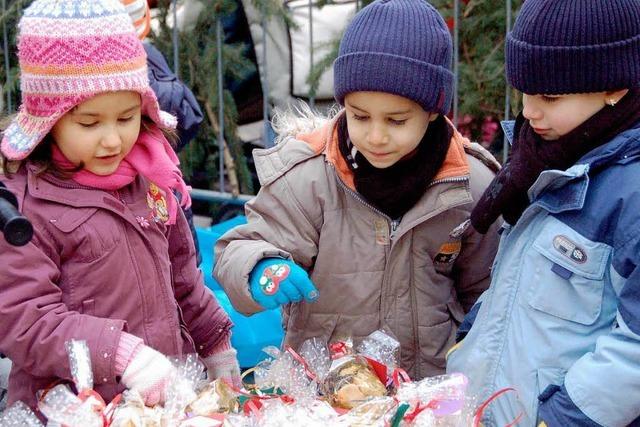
(173, 96)
(176, 98)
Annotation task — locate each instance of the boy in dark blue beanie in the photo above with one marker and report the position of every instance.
(561, 320)
(362, 221)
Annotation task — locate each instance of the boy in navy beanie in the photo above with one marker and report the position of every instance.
(362, 221)
(561, 320)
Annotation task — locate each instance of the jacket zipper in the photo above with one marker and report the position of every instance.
(361, 200)
(159, 275)
(183, 325)
(448, 180)
(394, 225)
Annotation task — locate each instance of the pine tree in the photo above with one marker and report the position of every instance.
(198, 59)
(481, 81)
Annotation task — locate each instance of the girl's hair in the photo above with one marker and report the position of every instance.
(299, 118)
(41, 155)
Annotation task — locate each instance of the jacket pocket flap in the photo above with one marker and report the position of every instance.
(71, 219)
(566, 247)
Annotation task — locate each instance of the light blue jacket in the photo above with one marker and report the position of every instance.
(562, 316)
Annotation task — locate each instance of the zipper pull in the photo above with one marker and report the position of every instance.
(394, 227)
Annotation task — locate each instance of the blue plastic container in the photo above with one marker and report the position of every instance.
(250, 334)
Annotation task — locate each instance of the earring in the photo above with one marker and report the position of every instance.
(612, 102)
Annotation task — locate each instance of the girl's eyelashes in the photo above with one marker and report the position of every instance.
(547, 98)
(92, 124)
(360, 118)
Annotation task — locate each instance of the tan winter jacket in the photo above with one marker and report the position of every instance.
(414, 279)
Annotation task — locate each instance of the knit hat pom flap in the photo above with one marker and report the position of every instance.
(69, 51)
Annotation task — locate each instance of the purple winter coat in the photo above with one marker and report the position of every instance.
(98, 265)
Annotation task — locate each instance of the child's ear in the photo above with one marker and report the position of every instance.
(433, 116)
(612, 97)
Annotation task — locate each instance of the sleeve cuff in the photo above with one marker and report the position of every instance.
(558, 410)
(223, 345)
(128, 346)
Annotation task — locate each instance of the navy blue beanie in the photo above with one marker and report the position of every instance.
(402, 47)
(574, 46)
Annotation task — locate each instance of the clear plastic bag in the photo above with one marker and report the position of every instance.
(132, 412)
(276, 413)
(61, 405)
(439, 401)
(19, 415)
(382, 348)
(351, 380)
(376, 412)
(287, 375)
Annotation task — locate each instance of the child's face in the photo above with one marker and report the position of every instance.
(101, 131)
(553, 116)
(385, 127)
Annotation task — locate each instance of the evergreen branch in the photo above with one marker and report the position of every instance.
(13, 10)
(318, 69)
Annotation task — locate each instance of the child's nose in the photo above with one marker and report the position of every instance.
(530, 111)
(377, 135)
(111, 139)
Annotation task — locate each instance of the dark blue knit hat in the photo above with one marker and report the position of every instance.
(574, 46)
(401, 47)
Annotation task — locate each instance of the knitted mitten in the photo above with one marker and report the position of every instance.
(223, 363)
(145, 370)
(277, 281)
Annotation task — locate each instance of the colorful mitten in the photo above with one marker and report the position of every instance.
(277, 281)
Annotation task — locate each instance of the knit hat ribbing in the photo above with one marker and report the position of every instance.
(70, 51)
(402, 47)
(574, 46)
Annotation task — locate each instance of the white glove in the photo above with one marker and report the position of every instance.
(224, 364)
(148, 373)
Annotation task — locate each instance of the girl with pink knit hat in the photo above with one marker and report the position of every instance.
(112, 260)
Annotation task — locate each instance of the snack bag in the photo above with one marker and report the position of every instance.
(351, 380)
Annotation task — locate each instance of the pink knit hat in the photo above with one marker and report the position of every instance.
(70, 51)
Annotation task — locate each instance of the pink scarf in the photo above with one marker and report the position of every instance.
(151, 157)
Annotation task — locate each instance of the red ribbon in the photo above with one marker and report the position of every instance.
(477, 418)
(338, 349)
(110, 410)
(307, 370)
(433, 404)
(400, 376)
